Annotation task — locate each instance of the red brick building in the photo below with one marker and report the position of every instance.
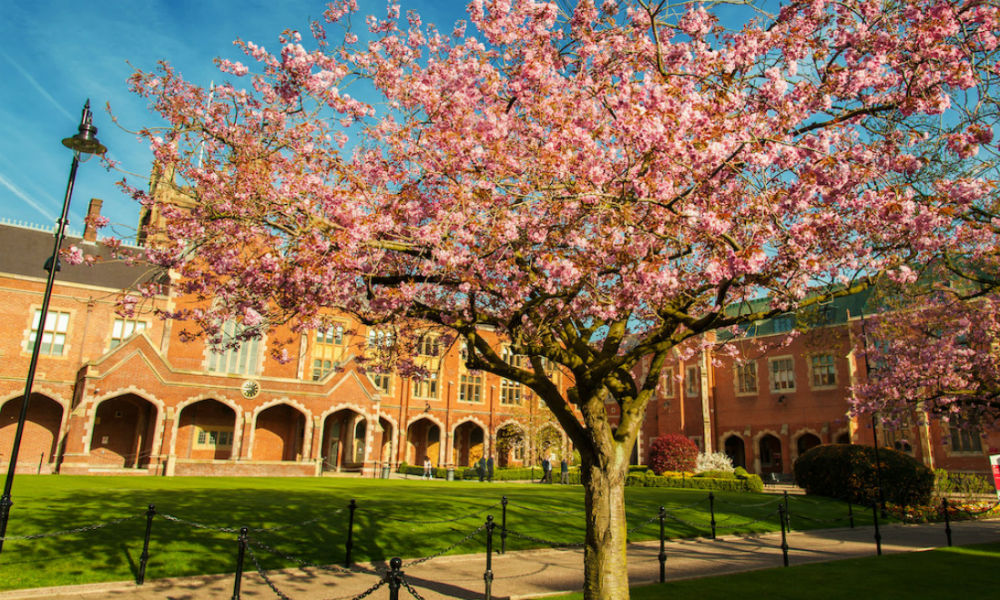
(780, 398)
(127, 396)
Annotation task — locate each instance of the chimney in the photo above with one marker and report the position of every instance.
(94, 211)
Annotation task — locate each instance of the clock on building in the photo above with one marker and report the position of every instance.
(250, 388)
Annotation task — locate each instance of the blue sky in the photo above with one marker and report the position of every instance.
(55, 54)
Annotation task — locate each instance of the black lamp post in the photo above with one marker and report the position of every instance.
(83, 143)
(878, 460)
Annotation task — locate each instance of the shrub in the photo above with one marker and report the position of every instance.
(847, 472)
(672, 452)
(713, 461)
(752, 483)
(716, 474)
(740, 473)
(962, 483)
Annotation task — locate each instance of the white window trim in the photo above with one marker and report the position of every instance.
(692, 385)
(736, 377)
(770, 374)
(836, 375)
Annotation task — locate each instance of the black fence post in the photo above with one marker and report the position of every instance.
(711, 510)
(947, 519)
(350, 533)
(488, 575)
(503, 526)
(850, 513)
(784, 539)
(239, 562)
(663, 547)
(394, 577)
(788, 514)
(878, 535)
(144, 557)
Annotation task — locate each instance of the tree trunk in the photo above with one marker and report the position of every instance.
(605, 568)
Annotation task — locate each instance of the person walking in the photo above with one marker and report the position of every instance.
(546, 469)
(489, 469)
(428, 468)
(481, 468)
(563, 472)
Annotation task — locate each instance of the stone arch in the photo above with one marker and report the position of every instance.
(207, 428)
(44, 424)
(390, 432)
(510, 443)
(341, 446)
(803, 440)
(551, 440)
(423, 438)
(123, 430)
(768, 453)
(842, 437)
(733, 445)
(279, 431)
(469, 442)
(237, 410)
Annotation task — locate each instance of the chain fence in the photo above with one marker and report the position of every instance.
(63, 532)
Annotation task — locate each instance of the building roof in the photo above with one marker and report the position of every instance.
(24, 250)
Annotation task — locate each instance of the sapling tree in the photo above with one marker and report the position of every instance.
(595, 184)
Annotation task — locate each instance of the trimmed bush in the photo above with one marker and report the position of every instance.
(962, 483)
(672, 452)
(847, 472)
(751, 483)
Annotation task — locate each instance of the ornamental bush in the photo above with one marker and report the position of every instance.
(672, 452)
(847, 472)
(713, 461)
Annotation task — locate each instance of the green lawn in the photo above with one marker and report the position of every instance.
(408, 518)
(957, 572)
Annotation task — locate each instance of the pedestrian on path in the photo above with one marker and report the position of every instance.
(563, 472)
(489, 468)
(546, 470)
(428, 468)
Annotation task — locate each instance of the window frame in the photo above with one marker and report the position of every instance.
(60, 320)
(120, 339)
(468, 383)
(739, 378)
(832, 371)
(771, 373)
(692, 384)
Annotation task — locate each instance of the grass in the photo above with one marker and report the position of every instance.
(408, 518)
(957, 572)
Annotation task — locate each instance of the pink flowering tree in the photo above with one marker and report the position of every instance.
(596, 184)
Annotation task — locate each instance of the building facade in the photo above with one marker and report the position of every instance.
(766, 396)
(121, 395)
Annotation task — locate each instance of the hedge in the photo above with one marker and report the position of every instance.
(848, 472)
(639, 477)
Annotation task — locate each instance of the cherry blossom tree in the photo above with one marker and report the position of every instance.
(596, 184)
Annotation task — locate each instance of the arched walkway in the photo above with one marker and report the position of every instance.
(510, 445)
(806, 442)
(124, 427)
(423, 438)
(279, 434)
(205, 430)
(385, 453)
(345, 433)
(40, 438)
(735, 449)
(769, 453)
(469, 447)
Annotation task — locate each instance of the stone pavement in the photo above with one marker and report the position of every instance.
(536, 573)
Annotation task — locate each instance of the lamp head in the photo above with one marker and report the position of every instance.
(85, 141)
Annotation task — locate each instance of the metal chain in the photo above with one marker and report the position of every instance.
(814, 520)
(475, 514)
(530, 538)
(978, 512)
(303, 523)
(370, 590)
(738, 525)
(641, 525)
(263, 575)
(409, 587)
(448, 549)
(756, 504)
(682, 521)
(95, 527)
(302, 562)
(197, 524)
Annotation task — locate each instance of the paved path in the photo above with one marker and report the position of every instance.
(536, 573)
